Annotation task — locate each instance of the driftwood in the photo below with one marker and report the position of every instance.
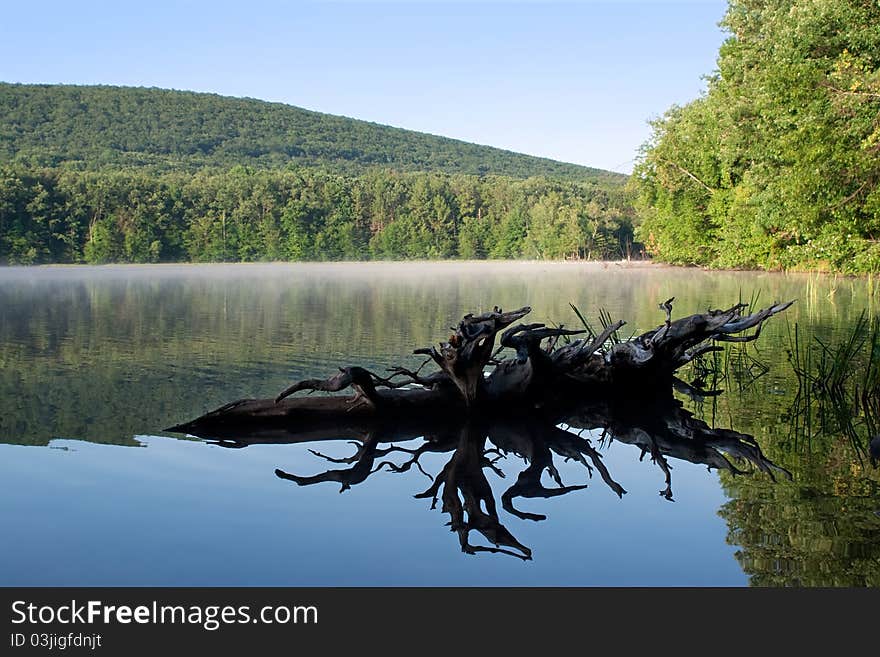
(545, 364)
(480, 408)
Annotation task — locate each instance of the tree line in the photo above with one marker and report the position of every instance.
(777, 166)
(67, 215)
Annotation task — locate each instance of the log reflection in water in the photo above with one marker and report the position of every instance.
(663, 430)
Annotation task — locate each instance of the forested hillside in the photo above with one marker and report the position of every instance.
(109, 174)
(778, 165)
(101, 126)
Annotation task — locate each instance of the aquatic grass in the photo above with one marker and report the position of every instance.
(605, 321)
(742, 367)
(591, 334)
(800, 413)
(871, 380)
(838, 385)
(753, 298)
(835, 364)
(869, 393)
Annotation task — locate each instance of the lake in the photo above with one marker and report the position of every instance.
(96, 361)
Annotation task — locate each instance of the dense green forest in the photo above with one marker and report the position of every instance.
(110, 174)
(67, 215)
(778, 165)
(103, 126)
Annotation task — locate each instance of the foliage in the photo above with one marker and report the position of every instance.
(65, 215)
(112, 174)
(823, 530)
(838, 385)
(777, 166)
(104, 126)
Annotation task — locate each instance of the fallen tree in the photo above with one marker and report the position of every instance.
(481, 405)
(545, 366)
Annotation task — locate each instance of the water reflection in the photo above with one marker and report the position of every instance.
(104, 354)
(483, 445)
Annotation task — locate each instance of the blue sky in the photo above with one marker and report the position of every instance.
(575, 81)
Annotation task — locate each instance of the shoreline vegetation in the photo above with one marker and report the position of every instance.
(66, 215)
(777, 165)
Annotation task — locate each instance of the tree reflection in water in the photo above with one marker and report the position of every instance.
(662, 430)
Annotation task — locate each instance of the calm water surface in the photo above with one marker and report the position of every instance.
(95, 362)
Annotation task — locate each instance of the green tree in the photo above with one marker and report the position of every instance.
(778, 165)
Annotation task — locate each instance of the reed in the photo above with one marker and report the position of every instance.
(605, 321)
(838, 385)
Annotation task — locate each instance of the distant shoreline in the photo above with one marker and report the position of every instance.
(409, 267)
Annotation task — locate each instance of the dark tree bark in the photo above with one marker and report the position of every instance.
(483, 404)
(472, 376)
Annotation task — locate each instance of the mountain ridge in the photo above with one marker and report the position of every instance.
(109, 126)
